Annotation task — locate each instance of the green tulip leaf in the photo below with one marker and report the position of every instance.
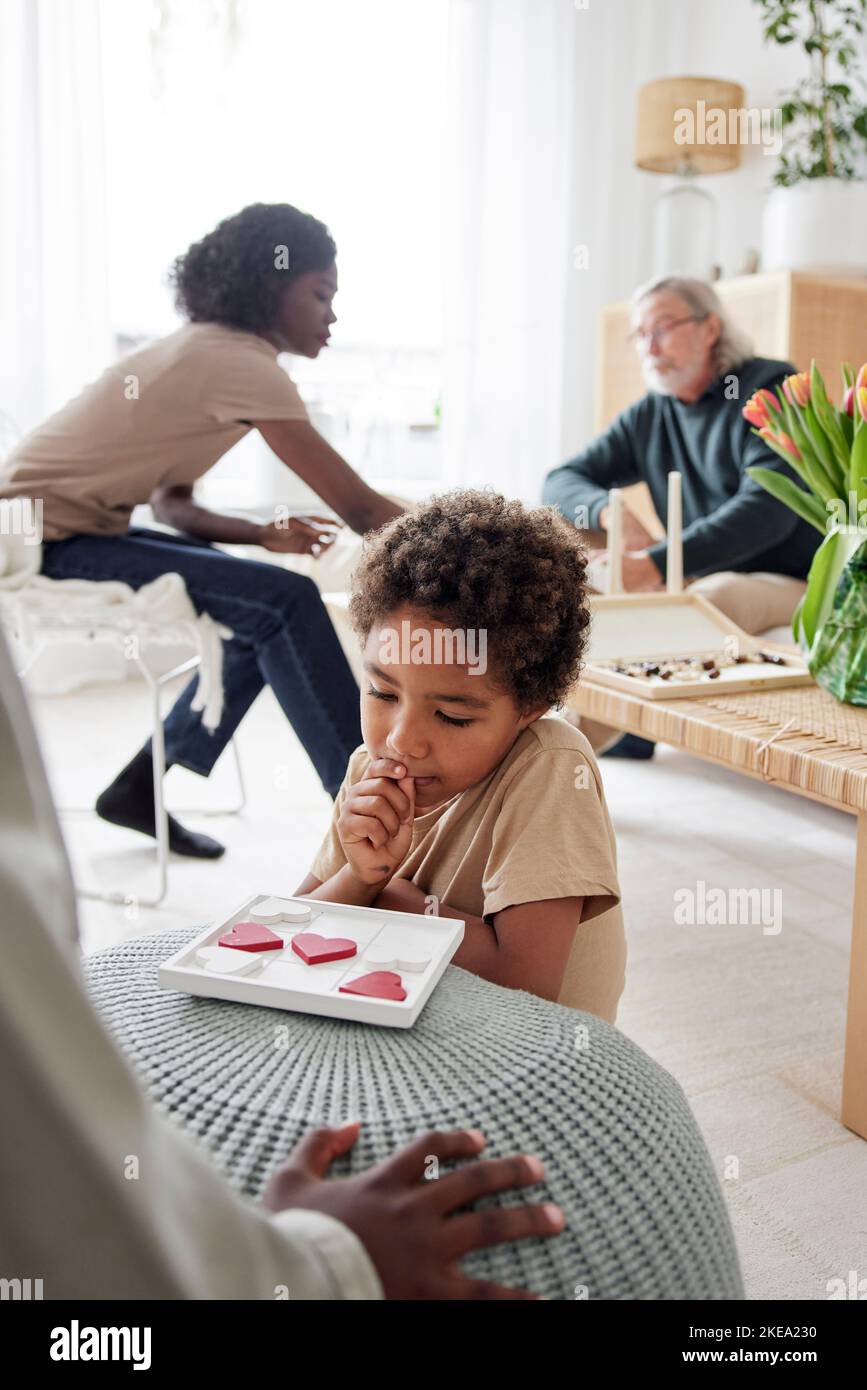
(829, 562)
(778, 485)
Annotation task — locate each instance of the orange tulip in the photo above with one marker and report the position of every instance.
(796, 388)
(758, 408)
(782, 440)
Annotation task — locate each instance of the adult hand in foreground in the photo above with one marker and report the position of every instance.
(415, 1227)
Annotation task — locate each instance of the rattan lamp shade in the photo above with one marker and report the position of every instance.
(659, 118)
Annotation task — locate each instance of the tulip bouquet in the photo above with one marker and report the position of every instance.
(826, 447)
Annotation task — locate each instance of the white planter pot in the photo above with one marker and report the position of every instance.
(818, 224)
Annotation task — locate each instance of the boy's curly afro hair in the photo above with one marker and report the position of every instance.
(475, 559)
(232, 275)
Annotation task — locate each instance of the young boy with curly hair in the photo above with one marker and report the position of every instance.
(468, 795)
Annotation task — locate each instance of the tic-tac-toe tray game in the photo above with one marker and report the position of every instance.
(316, 957)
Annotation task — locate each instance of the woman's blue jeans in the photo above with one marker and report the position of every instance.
(283, 638)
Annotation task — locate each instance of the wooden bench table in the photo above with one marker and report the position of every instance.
(799, 738)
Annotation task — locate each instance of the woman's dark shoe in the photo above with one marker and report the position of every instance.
(129, 802)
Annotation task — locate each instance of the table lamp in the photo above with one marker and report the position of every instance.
(687, 126)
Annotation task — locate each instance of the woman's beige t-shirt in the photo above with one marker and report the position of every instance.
(162, 415)
(536, 827)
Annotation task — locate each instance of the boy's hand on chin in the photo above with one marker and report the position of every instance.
(375, 825)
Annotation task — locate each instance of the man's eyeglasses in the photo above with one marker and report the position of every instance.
(655, 335)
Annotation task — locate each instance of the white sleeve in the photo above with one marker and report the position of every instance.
(100, 1196)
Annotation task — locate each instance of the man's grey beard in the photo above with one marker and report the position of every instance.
(655, 382)
(664, 385)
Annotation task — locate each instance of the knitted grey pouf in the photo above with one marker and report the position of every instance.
(622, 1152)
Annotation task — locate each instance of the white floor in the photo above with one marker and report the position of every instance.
(750, 1022)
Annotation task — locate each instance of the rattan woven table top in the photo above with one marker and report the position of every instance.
(799, 736)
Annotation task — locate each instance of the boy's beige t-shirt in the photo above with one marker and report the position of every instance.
(536, 827)
(163, 415)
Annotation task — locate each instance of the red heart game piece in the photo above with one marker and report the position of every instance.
(379, 984)
(316, 949)
(249, 936)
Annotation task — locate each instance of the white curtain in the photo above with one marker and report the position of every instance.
(548, 217)
(507, 190)
(619, 44)
(54, 318)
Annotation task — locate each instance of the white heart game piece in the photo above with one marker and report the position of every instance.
(223, 960)
(272, 911)
(397, 958)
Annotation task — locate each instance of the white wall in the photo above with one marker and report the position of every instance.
(619, 44)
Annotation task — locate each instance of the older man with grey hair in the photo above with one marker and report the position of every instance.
(742, 549)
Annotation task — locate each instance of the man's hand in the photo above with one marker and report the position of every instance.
(415, 1228)
(639, 572)
(300, 535)
(375, 824)
(634, 535)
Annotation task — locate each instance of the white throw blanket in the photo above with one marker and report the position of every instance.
(160, 611)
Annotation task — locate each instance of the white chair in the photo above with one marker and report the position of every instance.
(129, 635)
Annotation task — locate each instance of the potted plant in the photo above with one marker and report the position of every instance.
(817, 212)
(826, 447)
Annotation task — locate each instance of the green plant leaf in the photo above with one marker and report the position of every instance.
(796, 465)
(809, 508)
(829, 561)
(825, 114)
(813, 472)
(858, 466)
(847, 425)
(824, 449)
(828, 419)
(817, 384)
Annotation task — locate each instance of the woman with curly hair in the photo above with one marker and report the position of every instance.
(469, 798)
(260, 284)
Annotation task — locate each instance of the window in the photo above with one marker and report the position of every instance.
(335, 106)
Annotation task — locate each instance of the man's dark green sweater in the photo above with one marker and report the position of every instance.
(729, 521)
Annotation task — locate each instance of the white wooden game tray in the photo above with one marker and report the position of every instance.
(660, 627)
(420, 948)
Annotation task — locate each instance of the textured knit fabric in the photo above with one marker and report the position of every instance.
(622, 1152)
